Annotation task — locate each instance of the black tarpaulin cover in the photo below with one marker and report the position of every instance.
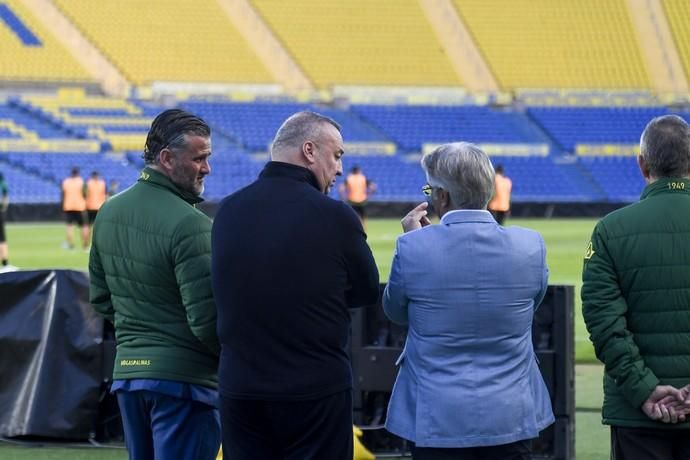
(50, 355)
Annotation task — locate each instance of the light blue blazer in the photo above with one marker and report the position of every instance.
(468, 289)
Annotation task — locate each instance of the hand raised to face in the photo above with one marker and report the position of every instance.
(416, 219)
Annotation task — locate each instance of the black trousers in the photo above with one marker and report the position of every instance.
(519, 450)
(3, 239)
(291, 430)
(649, 444)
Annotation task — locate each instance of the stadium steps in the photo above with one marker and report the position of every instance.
(526, 127)
(552, 140)
(41, 121)
(460, 46)
(359, 42)
(30, 51)
(678, 15)
(375, 129)
(658, 48)
(581, 177)
(168, 41)
(268, 49)
(111, 80)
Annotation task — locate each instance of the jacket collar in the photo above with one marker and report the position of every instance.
(667, 185)
(460, 216)
(290, 171)
(151, 176)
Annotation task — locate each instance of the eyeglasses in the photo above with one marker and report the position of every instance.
(427, 189)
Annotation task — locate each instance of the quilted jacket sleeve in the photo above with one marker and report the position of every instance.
(192, 261)
(604, 309)
(99, 293)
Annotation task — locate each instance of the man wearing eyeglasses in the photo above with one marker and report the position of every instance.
(468, 386)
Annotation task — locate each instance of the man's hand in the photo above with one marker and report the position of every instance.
(416, 218)
(666, 404)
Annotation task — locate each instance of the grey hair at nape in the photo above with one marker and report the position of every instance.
(665, 147)
(464, 171)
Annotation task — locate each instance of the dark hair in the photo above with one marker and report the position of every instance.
(499, 169)
(665, 147)
(75, 171)
(168, 131)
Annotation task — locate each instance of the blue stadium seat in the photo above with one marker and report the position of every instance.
(412, 126)
(570, 126)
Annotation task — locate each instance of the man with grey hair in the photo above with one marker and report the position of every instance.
(636, 302)
(468, 385)
(283, 285)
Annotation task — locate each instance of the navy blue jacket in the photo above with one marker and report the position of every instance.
(287, 262)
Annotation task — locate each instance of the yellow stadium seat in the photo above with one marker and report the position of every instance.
(678, 14)
(167, 40)
(45, 61)
(580, 44)
(360, 42)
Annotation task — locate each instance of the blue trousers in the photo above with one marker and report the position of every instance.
(161, 427)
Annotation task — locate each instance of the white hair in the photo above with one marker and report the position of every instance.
(464, 171)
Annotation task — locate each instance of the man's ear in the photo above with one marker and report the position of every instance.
(308, 149)
(165, 159)
(445, 198)
(644, 169)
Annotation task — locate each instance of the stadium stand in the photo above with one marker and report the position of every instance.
(678, 15)
(542, 179)
(27, 124)
(535, 179)
(120, 123)
(168, 40)
(570, 126)
(412, 126)
(54, 167)
(359, 42)
(243, 128)
(596, 130)
(26, 187)
(577, 92)
(251, 124)
(617, 176)
(254, 124)
(30, 53)
(557, 44)
(398, 177)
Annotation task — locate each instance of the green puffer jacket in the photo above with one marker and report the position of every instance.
(636, 300)
(150, 269)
